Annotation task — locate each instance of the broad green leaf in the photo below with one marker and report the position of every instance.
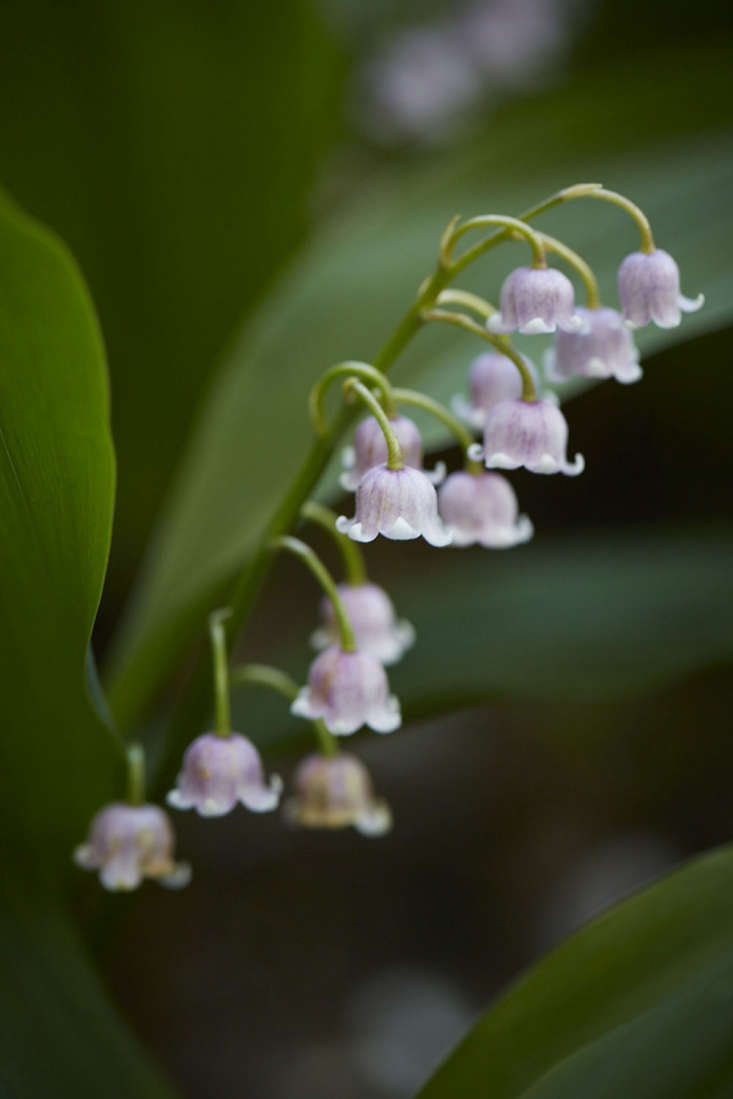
(174, 147)
(347, 291)
(637, 1004)
(58, 760)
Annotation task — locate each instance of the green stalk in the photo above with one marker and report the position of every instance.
(353, 558)
(311, 559)
(264, 675)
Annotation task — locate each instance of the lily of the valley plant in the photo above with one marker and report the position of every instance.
(360, 633)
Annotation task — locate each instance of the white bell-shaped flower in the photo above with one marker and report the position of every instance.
(603, 348)
(127, 843)
(397, 503)
(218, 772)
(370, 449)
(372, 617)
(348, 690)
(649, 290)
(532, 434)
(535, 300)
(335, 792)
(481, 509)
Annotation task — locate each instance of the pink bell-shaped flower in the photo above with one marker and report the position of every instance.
(127, 843)
(335, 792)
(370, 449)
(219, 771)
(348, 690)
(492, 378)
(603, 348)
(398, 503)
(482, 509)
(649, 290)
(535, 300)
(532, 434)
(372, 617)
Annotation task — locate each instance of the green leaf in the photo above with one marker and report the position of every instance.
(58, 760)
(637, 1004)
(349, 289)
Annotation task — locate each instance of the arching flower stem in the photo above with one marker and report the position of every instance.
(364, 372)
(311, 559)
(264, 675)
(394, 451)
(578, 190)
(634, 211)
(130, 697)
(136, 774)
(514, 225)
(440, 412)
(221, 670)
(353, 558)
(480, 306)
(529, 393)
(590, 282)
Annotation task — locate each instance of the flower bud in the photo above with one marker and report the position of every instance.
(482, 509)
(370, 449)
(649, 289)
(532, 434)
(218, 772)
(603, 348)
(398, 503)
(335, 792)
(348, 690)
(127, 843)
(372, 617)
(535, 300)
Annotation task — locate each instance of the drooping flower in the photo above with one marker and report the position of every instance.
(372, 617)
(348, 690)
(532, 434)
(649, 290)
(492, 378)
(482, 509)
(127, 843)
(603, 348)
(398, 503)
(219, 771)
(535, 300)
(370, 449)
(335, 792)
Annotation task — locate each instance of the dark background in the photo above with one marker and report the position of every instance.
(186, 152)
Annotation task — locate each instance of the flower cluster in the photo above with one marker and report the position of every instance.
(360, 634)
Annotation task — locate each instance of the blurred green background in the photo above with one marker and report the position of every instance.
(254, 192)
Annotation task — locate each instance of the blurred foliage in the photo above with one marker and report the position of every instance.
(638, 1003)
(58, 761)
(340, 300)
(174, 147)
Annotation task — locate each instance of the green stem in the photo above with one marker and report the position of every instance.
(266, 676)
(470, 301)
(642, 221)
(310, 558)
(193, 704)
(439, 411)
(529, 393)
(578, 190)
(394, 450)
(590, 282)
(364, 371)
(353, 558)
(514, 225)
(218, 636)
(136, 774)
